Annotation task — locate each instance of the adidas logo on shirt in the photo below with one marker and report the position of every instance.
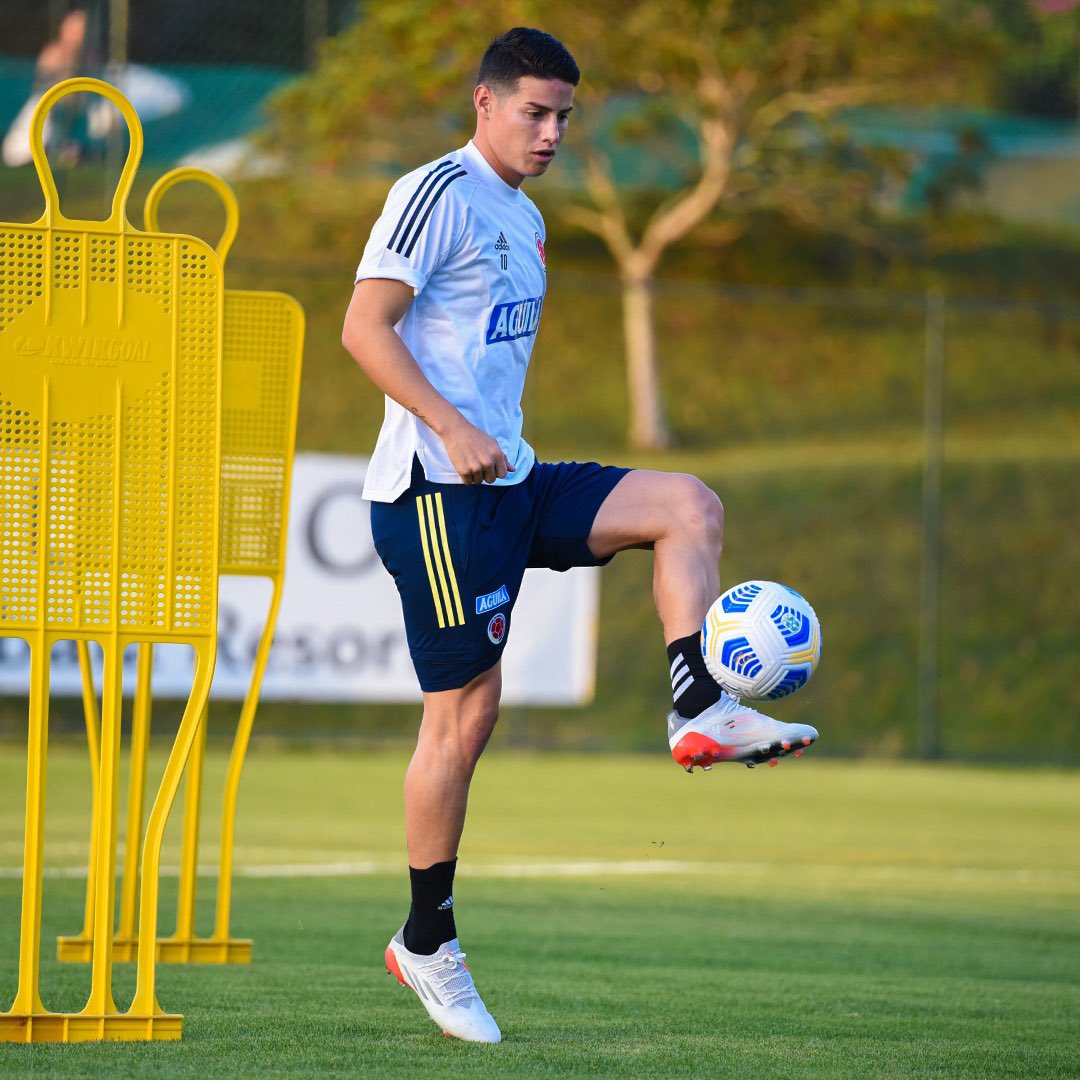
(502, 244)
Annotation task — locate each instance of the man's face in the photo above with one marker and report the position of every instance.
(525, 127)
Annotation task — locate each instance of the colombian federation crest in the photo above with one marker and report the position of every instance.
(497, 628)
(540, 251)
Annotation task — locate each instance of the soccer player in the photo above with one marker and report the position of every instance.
(445, 308)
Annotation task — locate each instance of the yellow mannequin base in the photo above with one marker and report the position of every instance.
(46, 1027)
(79, 950)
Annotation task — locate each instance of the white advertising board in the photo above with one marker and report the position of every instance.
(340, 635)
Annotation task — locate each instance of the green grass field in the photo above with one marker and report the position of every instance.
(623, 919)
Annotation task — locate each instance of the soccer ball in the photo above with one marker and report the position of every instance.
(761, 640)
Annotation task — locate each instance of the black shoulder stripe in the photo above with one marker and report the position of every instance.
(425, 184)
(415, 233)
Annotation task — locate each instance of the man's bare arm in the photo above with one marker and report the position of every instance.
(377, 306)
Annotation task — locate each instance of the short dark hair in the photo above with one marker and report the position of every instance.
(522, 52)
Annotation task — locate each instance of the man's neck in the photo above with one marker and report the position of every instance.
(507, 176)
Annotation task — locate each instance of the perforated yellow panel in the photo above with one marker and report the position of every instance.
(261, 345)
(112, 375)
(20, 457)
(195, 449)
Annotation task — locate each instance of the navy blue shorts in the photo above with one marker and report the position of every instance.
(458, 552)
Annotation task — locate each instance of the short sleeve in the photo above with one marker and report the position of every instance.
(418, 227)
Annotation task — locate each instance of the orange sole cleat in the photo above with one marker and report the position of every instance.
(392, 967)
(696, 748)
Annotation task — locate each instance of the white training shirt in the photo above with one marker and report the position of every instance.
(472, 248)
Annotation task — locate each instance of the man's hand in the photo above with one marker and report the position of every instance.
(474, 454)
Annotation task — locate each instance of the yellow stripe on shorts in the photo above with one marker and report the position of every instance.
(449, 560)
(427, 560)
(433, 532)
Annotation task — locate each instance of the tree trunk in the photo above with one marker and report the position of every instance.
(647, 428)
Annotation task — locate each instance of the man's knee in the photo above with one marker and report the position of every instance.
(476, 730)
(461, 731)
(697, 509)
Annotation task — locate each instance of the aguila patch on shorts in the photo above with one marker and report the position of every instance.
(497, 628)
(492, 600)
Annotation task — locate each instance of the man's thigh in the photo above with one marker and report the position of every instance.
(640, 510)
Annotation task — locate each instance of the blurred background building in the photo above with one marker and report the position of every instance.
(198, 71)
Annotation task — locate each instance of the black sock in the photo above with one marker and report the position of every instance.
(431, 917)
(692, 687)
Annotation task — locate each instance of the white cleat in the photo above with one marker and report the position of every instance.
(445, 986)
(731, 731)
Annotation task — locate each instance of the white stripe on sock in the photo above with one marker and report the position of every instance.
(682, 688)
(675, 663)
(680, 674)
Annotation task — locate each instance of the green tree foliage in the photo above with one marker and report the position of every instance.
(1039, 74)
(731, 103)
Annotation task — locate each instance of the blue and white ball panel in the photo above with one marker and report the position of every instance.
(738, 657)
(740, 597)
(793, 679)
(794, 625)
